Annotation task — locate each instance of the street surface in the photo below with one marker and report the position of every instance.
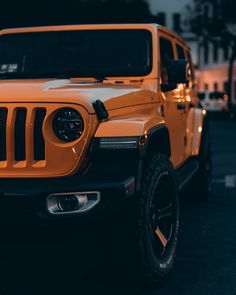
(206, 259)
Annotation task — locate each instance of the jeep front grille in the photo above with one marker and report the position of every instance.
(17, 134)
(29, 147)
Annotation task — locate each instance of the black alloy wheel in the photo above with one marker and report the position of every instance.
(162, 217)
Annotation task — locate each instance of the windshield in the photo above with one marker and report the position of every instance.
(81, 53)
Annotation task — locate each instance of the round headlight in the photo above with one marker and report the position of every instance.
(68, 124)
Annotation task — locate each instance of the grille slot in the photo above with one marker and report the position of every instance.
(19, 135)
(39, 142)
(3, 134)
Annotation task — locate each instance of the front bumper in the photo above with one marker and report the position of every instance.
(23, 201)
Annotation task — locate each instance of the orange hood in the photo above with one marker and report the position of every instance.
(72, 92)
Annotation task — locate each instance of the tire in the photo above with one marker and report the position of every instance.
(203, 178)
(153, 235)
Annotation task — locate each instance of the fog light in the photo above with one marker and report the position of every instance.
(68, 203)
(71, 203)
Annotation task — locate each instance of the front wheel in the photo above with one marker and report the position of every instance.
(157, 222)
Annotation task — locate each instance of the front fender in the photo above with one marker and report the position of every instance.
(137, 126)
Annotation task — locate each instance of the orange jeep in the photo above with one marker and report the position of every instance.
(97, 120)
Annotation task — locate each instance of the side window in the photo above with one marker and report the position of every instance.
(180, 52)
(166, 53)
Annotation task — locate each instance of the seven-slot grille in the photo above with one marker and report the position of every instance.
(21, 135)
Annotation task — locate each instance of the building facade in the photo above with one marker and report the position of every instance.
(211, 58)
(173, 14)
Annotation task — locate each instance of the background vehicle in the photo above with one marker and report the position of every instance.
(215, 101)
(102, 121)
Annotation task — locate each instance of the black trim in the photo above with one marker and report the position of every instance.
(3, 134)
(159, 140)
(19, 135)
(101, 111)
(32, 187)
(39, 142)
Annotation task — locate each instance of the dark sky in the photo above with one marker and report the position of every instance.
(15, 13)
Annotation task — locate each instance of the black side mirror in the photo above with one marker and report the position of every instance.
(178, 71)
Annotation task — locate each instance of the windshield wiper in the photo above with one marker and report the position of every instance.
(76, 74)
(66, 75)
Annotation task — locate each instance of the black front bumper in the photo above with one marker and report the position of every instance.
(23, 201)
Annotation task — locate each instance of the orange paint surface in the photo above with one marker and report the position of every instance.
(135, 106)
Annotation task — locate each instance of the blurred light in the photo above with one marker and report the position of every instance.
(188, 98)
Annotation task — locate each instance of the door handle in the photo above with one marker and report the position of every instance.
(181, 106)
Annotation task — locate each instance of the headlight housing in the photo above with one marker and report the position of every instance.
(68, 124)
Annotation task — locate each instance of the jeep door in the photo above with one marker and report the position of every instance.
(174, 101)
(191, 99)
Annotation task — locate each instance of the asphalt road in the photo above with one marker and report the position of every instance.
(206, 260)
